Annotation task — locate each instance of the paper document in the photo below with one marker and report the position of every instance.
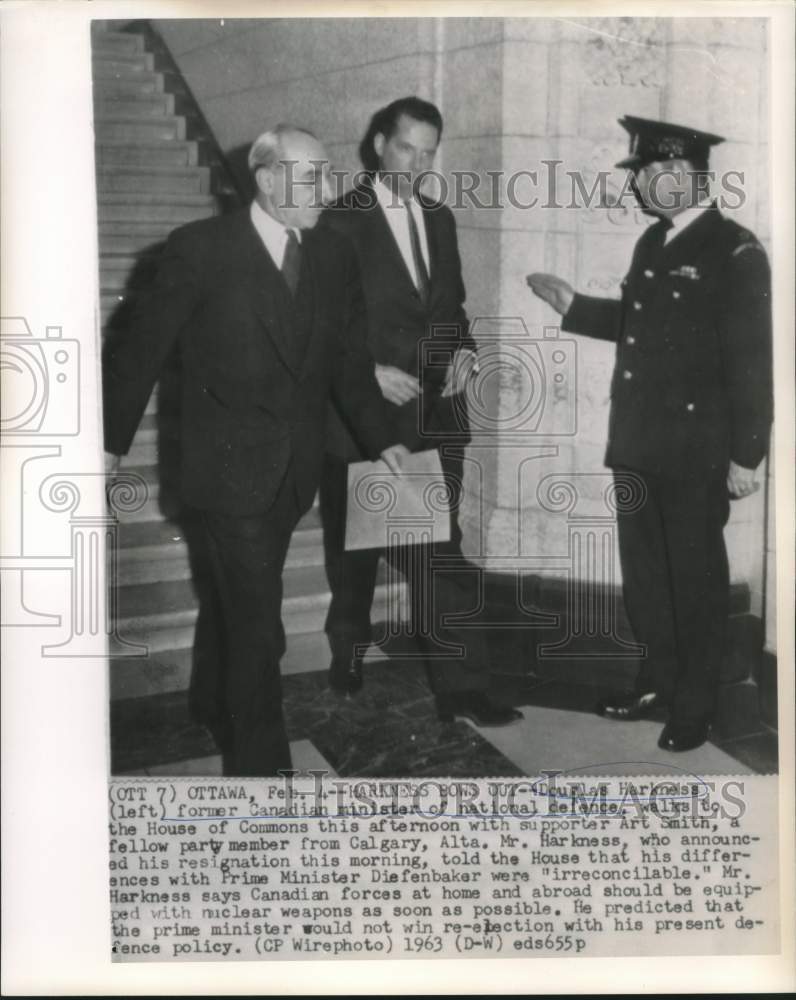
(385, 510)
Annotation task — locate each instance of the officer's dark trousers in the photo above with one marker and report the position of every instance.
(433, 592)
(676, 590)
(240, 639)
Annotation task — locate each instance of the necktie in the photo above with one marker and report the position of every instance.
(291, 262)
(657, 237)
(423, 282)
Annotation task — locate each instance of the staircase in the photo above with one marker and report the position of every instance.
(156, 171)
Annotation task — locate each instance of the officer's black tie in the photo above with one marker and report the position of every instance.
(291, 262)
(657, 235)
(423, 282)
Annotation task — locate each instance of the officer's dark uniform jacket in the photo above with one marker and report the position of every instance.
(692, 385)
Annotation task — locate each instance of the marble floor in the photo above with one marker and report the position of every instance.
(390, 729)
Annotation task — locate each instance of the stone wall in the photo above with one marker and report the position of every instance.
(516, 92)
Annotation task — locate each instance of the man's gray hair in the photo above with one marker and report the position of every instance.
(267, 148)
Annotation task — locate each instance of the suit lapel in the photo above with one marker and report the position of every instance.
(268, 292)
(306, 308)
(383, 241)
(431, 219)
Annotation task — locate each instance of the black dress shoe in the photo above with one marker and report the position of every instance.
(679, 736)
(478, 708)
(628, 708)
(345, 677)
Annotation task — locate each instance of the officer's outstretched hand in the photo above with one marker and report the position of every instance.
(555, 291)
(741, 481)
(394, 457)
(459, 371)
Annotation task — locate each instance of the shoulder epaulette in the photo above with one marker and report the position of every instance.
(747, 244)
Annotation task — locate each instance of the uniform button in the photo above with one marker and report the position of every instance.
(649, 274)
(631, 340)
(626, 374)
(636, 306)
(675, 295)
(690, 407)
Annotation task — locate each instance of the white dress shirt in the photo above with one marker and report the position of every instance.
(395, 211)
(685, 218)
(272, 233)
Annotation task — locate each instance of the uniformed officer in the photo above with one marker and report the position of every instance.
(691, 409)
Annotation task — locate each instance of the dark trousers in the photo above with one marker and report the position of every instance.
(676, 590)
(433, 592)
(240, 640)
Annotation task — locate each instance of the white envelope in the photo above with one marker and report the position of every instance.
(385, 510)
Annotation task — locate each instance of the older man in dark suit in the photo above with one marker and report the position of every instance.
(270, 320)
(691, 408)
(418, 334)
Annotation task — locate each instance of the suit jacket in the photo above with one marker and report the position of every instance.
(402, 331)
(692, 387)
(258, 366)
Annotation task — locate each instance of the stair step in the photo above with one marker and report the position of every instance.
(149, 432)
(132, 128)
(155, 153)
(149, 422)
(114, 42)
(131, 86)
(132, 105)
(115, 306)
(142, 452)
(130, 237)
(116, 268)
(117, 64)
(148, 491)
(148, 474)
(170, 670)
(304, 585)
(167, 559)
(109, 303)
(134, 537)
(153, 180)
(122, 262)
(149, 208)
(300, 615)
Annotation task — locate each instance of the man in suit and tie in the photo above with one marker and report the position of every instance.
(270, 321)
(409, 258)
(691, 408)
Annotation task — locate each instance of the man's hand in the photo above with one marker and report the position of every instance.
(459, 371)
(554, 291)
(741, 481)
(112, 464)
(394, 457)
(396, 386)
